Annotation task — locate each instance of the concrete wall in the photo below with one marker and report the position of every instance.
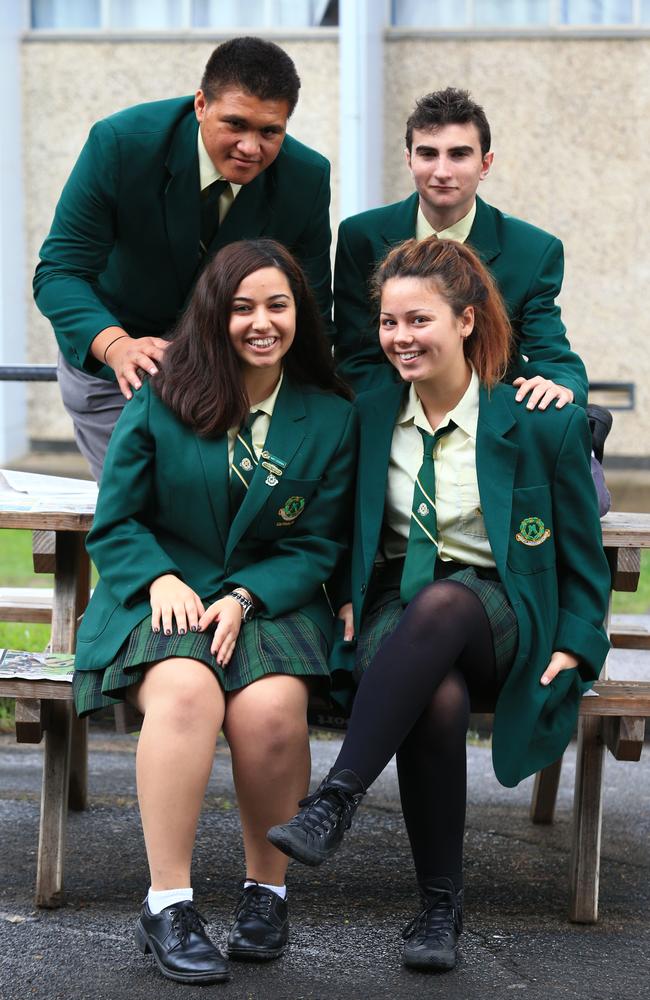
(569, 131)
(70, 84)
(569, 120)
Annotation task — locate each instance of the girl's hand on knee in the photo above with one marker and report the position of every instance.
(345, 614)
(171, 598)
(228, 614)
(559, 661)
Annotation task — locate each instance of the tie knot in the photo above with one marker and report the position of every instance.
(214, 191)
(249, 421)
(430, 440)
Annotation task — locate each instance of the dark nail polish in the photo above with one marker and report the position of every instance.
(156, 630)
(194, 628)
(181, 631)
(168, 631)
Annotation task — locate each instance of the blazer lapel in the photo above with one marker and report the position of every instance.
(285, 436)
(377, 425)
(213, 456)
(182, 197)
(496, 462)
(399, 225)
(483, 236)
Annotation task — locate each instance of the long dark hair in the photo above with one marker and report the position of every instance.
(462, 280)
(200, 378)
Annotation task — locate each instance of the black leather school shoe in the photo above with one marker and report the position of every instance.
(260, 930)
(316, 832)
(431, 939)
(180, 947)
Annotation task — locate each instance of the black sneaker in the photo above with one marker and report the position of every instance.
(180, 947)
(316, 832)
(260, 930)
(431, 939)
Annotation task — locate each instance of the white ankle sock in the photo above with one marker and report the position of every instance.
(157, 900)
(279, 890)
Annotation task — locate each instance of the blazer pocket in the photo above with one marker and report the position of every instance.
(285, 506)
(531, 545)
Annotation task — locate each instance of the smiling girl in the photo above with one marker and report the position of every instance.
(222, 513)
(478, 578)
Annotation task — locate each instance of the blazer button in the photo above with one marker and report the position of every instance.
(363, 588)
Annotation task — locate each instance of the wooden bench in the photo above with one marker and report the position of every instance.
(614, 717)
(44, 708)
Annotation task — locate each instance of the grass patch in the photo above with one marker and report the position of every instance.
(637, 603)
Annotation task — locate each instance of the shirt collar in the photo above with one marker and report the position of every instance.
(464, 414)
(267, 405)
(208, 173)
(458, 232)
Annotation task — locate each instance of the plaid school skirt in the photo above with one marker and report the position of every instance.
(385, 610)
(291, 644)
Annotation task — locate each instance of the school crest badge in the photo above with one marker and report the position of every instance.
(532, 531)
(292, 509)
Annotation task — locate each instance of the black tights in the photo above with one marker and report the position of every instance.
(414, 700)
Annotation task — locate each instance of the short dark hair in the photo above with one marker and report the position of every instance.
(448, 107)
(255, 65)
(200, 378)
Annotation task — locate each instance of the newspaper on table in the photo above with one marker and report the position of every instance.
(28, 491)
(15, 663)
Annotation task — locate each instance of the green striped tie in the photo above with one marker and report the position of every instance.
(243, 463)
(210, 213)
(422, 547)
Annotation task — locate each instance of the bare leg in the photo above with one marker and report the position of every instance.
(266, 727)
(183, 707)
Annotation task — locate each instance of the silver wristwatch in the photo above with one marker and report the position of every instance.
(247, 606)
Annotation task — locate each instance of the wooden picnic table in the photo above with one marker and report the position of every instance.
(45, 707)
(614, 718)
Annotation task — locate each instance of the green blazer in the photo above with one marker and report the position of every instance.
(529, 464)
(124, 244)
(164, 508)
(526, 262)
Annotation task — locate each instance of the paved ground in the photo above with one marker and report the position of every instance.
(347, 916)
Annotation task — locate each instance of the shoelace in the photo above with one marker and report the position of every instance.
(322, 811)
(434, 918)
(256, 901)
(185, 920)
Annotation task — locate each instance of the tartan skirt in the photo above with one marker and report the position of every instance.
(291, 644)
(385, 610)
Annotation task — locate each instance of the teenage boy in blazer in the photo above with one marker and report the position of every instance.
(448, 154)
(139, 217)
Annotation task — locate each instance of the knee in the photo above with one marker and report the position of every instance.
(275, 731)
(189, 697)
(438, 603)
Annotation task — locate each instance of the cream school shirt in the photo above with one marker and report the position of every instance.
(261, 424)
(461, 528)
(458, 232)
(208, 173)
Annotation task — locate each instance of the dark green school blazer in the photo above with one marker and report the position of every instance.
(124, 244)
(527, 264)
(529, 465)
(164, 508)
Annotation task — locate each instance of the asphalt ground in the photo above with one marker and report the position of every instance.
(347, 916)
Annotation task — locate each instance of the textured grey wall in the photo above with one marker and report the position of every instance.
(69, 85)
(569, 120)
(569, 123)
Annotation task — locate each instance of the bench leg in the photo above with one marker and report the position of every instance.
(54, 803)
(587, 822)
(78, 791)
(542, 804)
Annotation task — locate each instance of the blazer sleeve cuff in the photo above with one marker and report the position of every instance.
(591, 645)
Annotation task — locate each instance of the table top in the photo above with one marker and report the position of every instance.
(46, 520)
(621, 529)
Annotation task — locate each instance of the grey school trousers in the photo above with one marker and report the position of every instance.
(94, 406)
